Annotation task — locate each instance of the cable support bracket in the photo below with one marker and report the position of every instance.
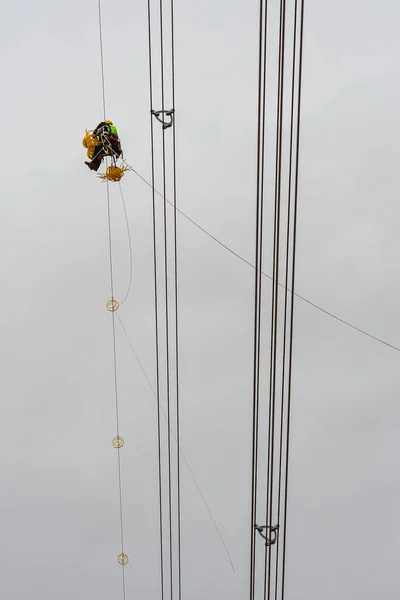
(270, 535)
(168, 113)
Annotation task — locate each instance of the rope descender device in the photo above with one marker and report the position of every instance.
(123, 559)
(167, 113)
(112, 305)
(270, 533)
(118, 442)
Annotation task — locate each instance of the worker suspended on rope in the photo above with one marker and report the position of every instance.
(106, 143)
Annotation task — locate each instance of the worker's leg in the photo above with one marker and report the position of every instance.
(116, 146)
(97, 158)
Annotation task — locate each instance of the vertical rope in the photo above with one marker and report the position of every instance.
(112, 313)
(102, 59)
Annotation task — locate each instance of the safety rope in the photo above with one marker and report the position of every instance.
(282, 285)
(174, 435)
(122, 557)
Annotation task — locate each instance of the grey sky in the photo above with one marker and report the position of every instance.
(59, 506)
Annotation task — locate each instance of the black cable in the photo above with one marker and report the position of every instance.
(176, 307)
(156, 308)
(257, 282)
(292, 295)
(285, 318)
(167, 328)
(275, 296)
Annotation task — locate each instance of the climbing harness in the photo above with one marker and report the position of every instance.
(106, 140)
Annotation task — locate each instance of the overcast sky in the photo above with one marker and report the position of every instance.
(59, 501)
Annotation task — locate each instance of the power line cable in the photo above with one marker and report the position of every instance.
(287, 324)
(285, 318)
(275, 297)
(292, 297)
(167, 327)
(157, 348)
(178, 467)
(263, 20)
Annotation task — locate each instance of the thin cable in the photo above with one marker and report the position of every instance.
(156, 309)
(178, 466)
(116, 392)
(130, 246)
(292, 298)
(258, 282)
(102, 59)
(179, 447)
(275, 295)
(137, 357)
(113, 314)
(166, 304)
(316, 306)
(285, 318)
